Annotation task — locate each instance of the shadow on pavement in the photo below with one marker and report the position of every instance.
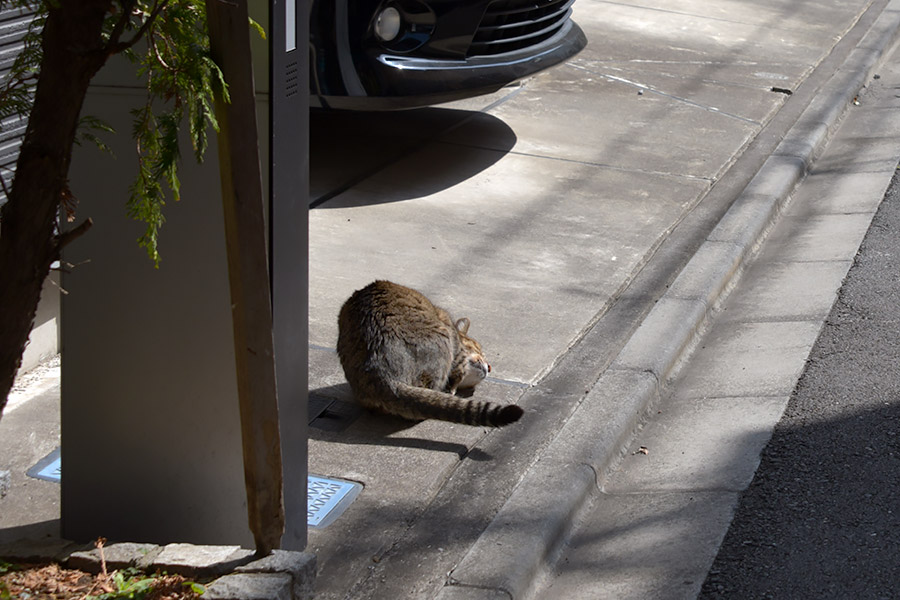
(336, 418)
(822, 516)
(32, 531)
(345, 148)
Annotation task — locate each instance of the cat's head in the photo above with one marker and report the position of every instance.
(475, 365)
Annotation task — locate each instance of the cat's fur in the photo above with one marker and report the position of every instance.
(404, 356)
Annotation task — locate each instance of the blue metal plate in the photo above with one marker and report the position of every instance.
(48, 468)
(328, 498)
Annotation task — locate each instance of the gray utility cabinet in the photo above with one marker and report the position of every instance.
(151, 444)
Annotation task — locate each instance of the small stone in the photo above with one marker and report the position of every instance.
(250, 586)
(201, 561)
(301, 566)
(117, 556)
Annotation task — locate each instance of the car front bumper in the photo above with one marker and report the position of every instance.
(379, 80)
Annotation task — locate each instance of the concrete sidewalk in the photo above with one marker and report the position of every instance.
(653, 527)
(561, 213)
(556, 215)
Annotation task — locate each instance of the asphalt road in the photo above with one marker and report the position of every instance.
(822, 516)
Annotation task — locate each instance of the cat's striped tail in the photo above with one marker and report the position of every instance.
(423, 403)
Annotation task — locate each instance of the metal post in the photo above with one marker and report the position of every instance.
(289, 246)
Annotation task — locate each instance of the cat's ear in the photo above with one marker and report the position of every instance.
(462, 325)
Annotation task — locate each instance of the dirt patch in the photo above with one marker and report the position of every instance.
(53, 582)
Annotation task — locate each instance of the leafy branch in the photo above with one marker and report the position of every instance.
(181, 81)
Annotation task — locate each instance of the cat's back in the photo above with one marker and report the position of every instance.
(384, 308)
(388, 332)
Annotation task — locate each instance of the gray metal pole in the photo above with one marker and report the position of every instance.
(289, 246)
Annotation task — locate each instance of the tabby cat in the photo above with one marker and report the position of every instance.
(404, 356)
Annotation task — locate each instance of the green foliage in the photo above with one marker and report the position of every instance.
(129, 583)
(87, 127)
(132, 584)
(5, 594)
(5, 567)
(182, 81)
(168, 42)
(258, 29)
(129, 586)
(197, 588)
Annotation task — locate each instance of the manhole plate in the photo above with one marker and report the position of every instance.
(48, 468)
(330, 414)
(327, 499)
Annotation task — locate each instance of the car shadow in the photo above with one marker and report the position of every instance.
(413, 149)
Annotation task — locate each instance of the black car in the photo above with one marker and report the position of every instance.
(394, 54)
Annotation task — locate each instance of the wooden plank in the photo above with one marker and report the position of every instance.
(248, 272)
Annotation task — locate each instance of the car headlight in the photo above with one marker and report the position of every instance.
(387, 24)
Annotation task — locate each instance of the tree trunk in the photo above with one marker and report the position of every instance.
(73, 52)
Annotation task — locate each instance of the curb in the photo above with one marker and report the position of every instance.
(238, 574)
(506, 559)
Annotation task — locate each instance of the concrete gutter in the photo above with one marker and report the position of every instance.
(536, 518)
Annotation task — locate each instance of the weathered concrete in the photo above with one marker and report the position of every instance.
(43, 341)
(117, 556)
(300, 566)
(238, 586)
(43, 549)
(29, 431)
(771, 354)
(699, 450)
(820, 517)
(727, 435)
(553, 201)
(648, 545)
(203, 561)
(588, 221)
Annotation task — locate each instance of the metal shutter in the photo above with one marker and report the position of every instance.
(13, 26)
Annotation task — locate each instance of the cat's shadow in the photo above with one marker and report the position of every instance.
(334, 416)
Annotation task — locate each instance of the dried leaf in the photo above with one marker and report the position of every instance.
(69, 203)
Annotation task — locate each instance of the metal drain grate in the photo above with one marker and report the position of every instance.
(48, 468)
(326, 499)
(330, 414)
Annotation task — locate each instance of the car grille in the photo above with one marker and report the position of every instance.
(510, 25)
